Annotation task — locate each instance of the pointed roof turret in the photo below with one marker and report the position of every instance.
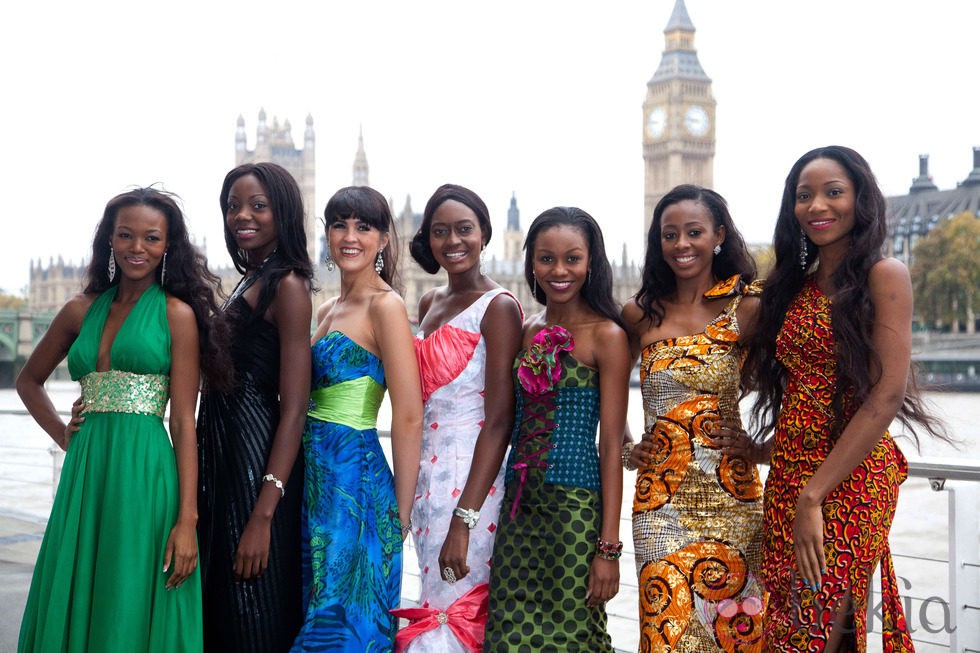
(679, 19)
(513, 214)
(680, 58)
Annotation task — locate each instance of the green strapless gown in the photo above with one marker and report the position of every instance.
(98, 584)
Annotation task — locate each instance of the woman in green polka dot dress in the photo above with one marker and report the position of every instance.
(555, 557)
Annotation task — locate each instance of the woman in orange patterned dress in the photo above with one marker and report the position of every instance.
(697, 512)
(831, 363)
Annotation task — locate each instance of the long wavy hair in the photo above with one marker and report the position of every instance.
(187, 277)
(857, 363)
(367, 205)
(286, 202)
(597, 290)
(420, 248)
(658, 280)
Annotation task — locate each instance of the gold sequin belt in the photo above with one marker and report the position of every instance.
(125, 392)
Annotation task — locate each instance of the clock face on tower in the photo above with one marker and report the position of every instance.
(656, 122)
(696, 120)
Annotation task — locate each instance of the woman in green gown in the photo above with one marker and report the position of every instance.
(117, 570)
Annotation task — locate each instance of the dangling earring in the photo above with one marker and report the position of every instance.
(379, 263)
(717, 249)
(163, 268)
(328, 261)
(112, 264)
(483, 263)
(588, 277)
(802, 251)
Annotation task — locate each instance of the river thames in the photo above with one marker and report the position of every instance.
(27, 472)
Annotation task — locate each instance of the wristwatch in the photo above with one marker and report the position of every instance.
(468, 515)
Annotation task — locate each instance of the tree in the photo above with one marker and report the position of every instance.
(11, 302)
(946, 273)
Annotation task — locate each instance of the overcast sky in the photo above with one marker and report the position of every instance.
(540, 98)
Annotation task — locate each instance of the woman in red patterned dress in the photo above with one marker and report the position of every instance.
(831, 361)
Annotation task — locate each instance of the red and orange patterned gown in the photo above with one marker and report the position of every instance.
(697, 513)
(857, 514)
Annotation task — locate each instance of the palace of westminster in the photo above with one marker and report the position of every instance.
(678, 140)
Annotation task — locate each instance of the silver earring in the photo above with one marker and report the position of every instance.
(112, 264)
(588, 278)
(483, 263)
(803, 251)
(717, 249)
(163, 268)
(329, 261)
(379, 263)
(534, 286)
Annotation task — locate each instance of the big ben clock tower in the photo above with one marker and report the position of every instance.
(678, 117)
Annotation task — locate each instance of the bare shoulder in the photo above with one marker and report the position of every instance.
(632, 315)
(292, 286)
(179, 312)
(505, 305)
(887, 271)
(387, 304)
(608, 332)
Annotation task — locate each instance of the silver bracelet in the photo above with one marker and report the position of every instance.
(269, 478)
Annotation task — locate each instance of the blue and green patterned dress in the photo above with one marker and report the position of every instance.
(352, 545)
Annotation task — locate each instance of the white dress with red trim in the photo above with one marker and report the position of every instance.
(452, 362)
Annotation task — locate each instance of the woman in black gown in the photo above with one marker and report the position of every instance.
(251, 484)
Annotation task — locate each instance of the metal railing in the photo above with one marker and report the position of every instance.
(948, 623)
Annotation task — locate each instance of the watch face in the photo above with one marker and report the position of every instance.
(696, 121)
(656, 122)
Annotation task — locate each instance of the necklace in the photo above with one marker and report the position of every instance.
(247, 280)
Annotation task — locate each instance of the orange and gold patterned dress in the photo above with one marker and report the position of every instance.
(857, 514)
(697, 513)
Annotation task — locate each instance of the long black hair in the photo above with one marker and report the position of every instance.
(658, 280)
(420, 248)
(597, 290)
(367, 205)
(286, 203)
(187, 276)
(857, 362)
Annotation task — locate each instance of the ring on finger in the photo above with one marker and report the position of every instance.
(449, 575)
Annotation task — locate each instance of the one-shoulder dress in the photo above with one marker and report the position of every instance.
(452, 361)
(98, 584)
(697, 513)
(235, 433)
(552, 512)
(352, 545)
(857, 514)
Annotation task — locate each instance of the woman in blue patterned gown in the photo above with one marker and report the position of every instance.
(356, 511)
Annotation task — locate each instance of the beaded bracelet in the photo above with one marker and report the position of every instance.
(406, 528)
(627, 452)
(608, 550)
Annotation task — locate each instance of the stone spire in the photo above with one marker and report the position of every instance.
(360, 161)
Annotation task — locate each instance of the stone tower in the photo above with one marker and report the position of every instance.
(275, 143)
(678, 117)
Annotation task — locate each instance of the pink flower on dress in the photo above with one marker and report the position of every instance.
(539, 370)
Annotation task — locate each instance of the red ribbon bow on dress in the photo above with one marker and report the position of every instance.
(466, 617)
